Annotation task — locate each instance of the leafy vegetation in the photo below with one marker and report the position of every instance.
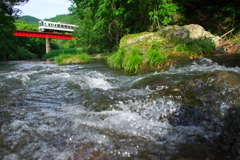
(64, 59)
(22, 54)
(103, 23)
(216, 16)
(7, 17)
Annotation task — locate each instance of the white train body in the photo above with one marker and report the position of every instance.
(48, 26)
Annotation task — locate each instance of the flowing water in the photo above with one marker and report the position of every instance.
(93, 112)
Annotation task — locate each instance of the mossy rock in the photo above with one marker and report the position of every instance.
(158, 50)
(174, 34)
(141, 41)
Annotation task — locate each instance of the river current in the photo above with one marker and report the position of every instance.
(93, 112)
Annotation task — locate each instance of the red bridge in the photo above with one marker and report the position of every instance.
(38, 34)
(47, 35)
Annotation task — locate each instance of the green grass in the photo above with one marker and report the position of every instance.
(196, 47)
(132, 61)
(55, 53)
(115, 60)
(156, 56)
(64, 59)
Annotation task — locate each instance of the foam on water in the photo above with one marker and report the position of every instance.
(57, 131)
(98, 80)
(201, 65)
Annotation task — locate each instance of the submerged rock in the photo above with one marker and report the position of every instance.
(209, 101)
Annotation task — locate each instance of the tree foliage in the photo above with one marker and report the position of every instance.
(7, 18)
(102, 23)
(217, 16)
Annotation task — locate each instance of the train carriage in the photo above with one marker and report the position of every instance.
(48, 26)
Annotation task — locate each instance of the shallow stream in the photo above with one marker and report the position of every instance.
(94, 112)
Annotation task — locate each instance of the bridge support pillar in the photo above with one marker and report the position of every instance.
(47, 45)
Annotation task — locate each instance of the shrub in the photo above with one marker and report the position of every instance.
(72, 58)
(22, 54)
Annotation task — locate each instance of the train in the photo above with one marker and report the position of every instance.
(48, 26)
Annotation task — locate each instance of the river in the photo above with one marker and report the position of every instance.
(93, 112)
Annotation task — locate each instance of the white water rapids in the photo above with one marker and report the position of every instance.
(92, 112)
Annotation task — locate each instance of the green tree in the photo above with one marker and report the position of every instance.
(7, 17)
(102, 23)
(217, 16)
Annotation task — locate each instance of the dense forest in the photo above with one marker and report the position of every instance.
(103, 23)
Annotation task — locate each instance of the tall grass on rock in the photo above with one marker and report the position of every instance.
(115, 60)
(132, 60)
(129, 60)
(155, 56)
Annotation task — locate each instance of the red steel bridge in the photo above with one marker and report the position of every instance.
(38, 34)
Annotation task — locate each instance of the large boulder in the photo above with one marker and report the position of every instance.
(168, 35)
(169, 47)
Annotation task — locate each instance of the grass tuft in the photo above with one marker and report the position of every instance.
(132, 61)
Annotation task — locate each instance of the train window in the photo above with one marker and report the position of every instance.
(41, 23)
